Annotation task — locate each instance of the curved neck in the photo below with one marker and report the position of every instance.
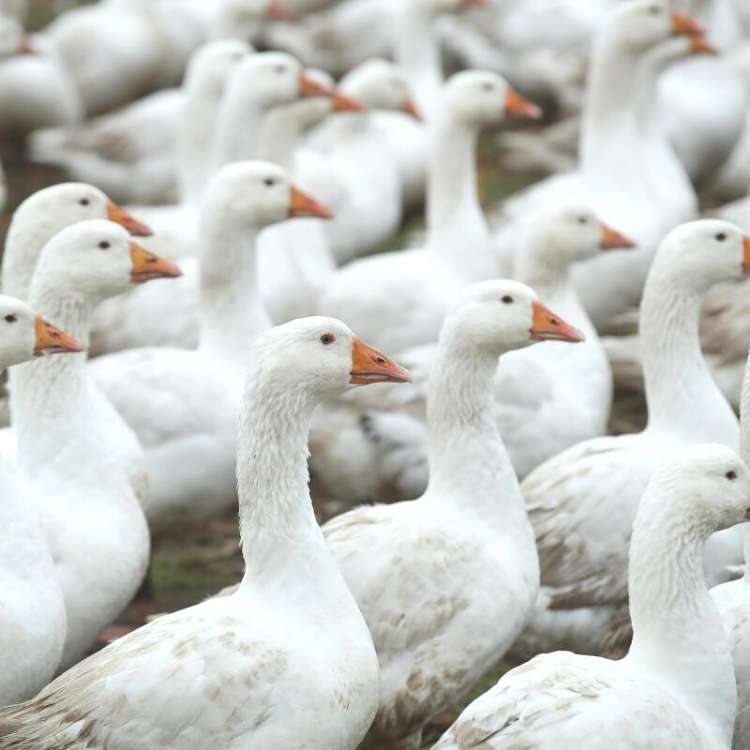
(677, 631)
(457, 231)
(237, 125)
(546, 271)
(469, 465)
(280, 136)
(232, 314)
(416, 51)
(681, 394)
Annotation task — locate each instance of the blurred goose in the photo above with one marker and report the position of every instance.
(615, 177)
(32, 632)
(141, 152)
(675, 689)
(458, 248)
(446, 611)
(582, 502)
(186, 411)
(733, 601)
(238, 671)
(73, 448)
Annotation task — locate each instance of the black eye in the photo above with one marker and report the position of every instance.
(10, 318)
(84, 201)
(327, 338)
(507, 299)
(583, 220)
(280, 69)
(721, 236)
(654, 10)
(104, 245)
(487, 86)
(731, 475)
(269, 182)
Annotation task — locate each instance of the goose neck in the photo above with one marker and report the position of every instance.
(232, 313)
(678, 633)
(457, 231)
(280, 136)
(544, 270)
(469, 465)
(681, 394)
(237, 125)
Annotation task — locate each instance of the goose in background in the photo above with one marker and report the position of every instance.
(33, 629)
(185, 415)
(675, 689)
(582, 502)
(73, 450)
(265, 687)
(458, 248)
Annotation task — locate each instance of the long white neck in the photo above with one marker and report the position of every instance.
(681, 394)
(416, 51)
(232, 314)
(678, 633)
(457, 232)
(469, 465)
(237, 125)
(282, 544)
(280, 136)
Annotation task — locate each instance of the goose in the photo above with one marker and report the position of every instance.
(546, 398)
(143, 152)
(186, 412)
(239, 671)
(611, 178)
(675, 689)
(441, 614)
(370, 212)
(73, 449)
(458, 249)
(33, 625)
(582, 501)
(733, 602)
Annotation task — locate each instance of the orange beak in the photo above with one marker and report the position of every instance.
(613, 240)
(517, 106)
(51, 340)
(301, 204)
(371, 366)
(120, 216)
(344, 103)
(25, 47)
(277, 11)
(310, 87)
(700, 46)
(746, 253)
(410, 108)
(684, 25)
(147, 266)
(546, 326)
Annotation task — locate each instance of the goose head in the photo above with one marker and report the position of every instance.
(321, 357)
(573, 234)
(24, 334)
(708, 484)
(502, 315)
(98, 259)
(380, 84)
(482, 99)
(276, 78)
(705, 252)
(254, 194)
(644, 23)
(212, 63)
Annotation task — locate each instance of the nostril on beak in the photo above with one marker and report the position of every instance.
(380, 361)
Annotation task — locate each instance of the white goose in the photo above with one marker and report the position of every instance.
(185, 413)
(75, 452)
(239, 671)
(582, 502)
(443, 613)
(33, 623)
(458, 248)
(675, 689)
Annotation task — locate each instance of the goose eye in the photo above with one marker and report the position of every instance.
(104, 245)
(84, 201)
(280, 69)
(654, 10)
(507, 299)
(721, 236)
(327, 338)
(731, 475)
(10, 318)
(487, 87)
(583, 220)
(269, 182)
